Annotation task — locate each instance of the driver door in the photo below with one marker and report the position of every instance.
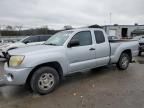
(82, 56)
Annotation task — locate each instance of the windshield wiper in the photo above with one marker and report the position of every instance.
(50, 44)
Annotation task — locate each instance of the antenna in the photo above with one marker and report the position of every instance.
(0, 30)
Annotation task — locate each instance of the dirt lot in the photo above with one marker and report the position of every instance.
(105, 87)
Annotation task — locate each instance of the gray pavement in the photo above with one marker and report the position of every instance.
(104, 87)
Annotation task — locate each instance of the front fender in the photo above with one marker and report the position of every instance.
(32, 61)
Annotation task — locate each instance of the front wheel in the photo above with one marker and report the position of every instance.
(123, 62)
(44, 80)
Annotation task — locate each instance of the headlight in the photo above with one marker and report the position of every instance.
(15, 61)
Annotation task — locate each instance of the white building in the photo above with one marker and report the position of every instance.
(124, 31)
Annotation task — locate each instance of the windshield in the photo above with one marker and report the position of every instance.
(59, 38)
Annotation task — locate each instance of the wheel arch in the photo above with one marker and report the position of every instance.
(55, 65)
(128, 51)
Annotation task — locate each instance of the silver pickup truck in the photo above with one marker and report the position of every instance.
(42, 67)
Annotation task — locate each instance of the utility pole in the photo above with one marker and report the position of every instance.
(110, 16)
(0, 30)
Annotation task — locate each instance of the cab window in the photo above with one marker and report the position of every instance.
(99, 36)
(84, 38)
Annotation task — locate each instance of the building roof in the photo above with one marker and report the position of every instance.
(122, 25)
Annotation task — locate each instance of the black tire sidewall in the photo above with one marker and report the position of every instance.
(36, 76)
(119, 64)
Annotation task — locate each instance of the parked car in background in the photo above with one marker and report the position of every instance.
(27, 41)
(43, 66)
(140, 39)
(1, 41)
(4, 41)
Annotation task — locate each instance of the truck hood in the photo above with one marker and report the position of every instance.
(34, 49)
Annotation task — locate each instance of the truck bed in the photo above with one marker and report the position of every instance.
(119, 45)
(121, 40)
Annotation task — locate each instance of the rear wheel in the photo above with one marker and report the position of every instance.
(44, 80)
(124, 61)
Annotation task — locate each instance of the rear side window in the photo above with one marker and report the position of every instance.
(44, 38)
(83, 37)
(99, 37)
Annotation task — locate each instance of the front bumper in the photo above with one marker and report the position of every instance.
(14, 76)
(3, 80)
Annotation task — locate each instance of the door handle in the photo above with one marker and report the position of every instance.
(92, 49)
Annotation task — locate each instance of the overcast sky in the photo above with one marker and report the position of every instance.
(57, 13)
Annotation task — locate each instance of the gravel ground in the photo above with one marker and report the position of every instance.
(104, 87)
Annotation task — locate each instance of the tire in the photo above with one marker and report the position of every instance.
(139, 54)
(28, 87)
(123, 62)
(44, 80)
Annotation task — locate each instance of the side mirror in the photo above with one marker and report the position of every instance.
(73, 43)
